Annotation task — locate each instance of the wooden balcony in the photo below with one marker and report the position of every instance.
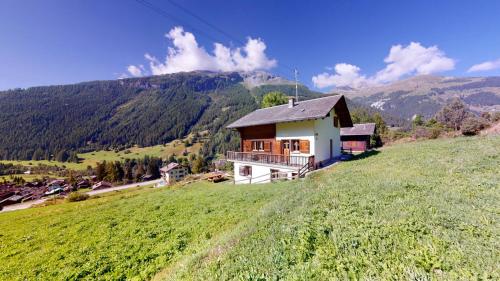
(271, 159)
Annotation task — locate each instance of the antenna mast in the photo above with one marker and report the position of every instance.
(296, 85)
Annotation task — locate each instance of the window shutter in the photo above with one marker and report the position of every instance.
(304, 146)
(267, 146)
(247, 146)
(277, 147)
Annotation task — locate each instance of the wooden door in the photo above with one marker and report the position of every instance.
(286, 147)
(286, 150)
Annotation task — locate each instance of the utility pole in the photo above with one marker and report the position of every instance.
(296, 85)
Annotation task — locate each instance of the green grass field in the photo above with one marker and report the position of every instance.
(28, 177)
(420, 211)
(176, 147)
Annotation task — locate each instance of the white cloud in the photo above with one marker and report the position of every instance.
(346, 75)
(413, 59)
(136, 71)
(402, 61)
(186, 55)
(485, 66)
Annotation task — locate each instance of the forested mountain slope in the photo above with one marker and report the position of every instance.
(38, 122)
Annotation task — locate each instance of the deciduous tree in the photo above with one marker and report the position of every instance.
(273, 99)
(453, 114)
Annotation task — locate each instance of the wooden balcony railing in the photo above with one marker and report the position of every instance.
(274, 159)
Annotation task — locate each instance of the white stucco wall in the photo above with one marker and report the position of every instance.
(325, 131)
(260, 173)
(301, 130)
(318, 132)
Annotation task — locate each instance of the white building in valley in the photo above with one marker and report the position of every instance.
(287, 141)
(172, 173)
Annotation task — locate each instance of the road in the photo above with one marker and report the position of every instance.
(26, 205)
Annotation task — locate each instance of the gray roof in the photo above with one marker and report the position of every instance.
(366, 129)
(169, 167)
(303, 110)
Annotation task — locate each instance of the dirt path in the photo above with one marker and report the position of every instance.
(26, 205)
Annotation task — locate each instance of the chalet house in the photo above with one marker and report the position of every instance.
(172, 173)
(357, 138)
(287, 141)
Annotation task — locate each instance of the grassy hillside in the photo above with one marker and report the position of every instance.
(413, 211)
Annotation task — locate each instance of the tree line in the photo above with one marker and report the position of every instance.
(129, 170)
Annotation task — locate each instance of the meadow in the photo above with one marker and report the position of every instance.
(176, 147)
(423, 211)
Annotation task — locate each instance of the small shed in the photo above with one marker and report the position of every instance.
(357, 138)
(101, 185)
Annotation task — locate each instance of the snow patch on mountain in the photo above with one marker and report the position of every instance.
(379, 104)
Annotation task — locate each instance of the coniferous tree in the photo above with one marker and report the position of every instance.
(101, 170)
(111, 172)
(38, 154)
(139, 171)
(62, 155)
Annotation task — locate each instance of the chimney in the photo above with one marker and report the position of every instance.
(291, 102)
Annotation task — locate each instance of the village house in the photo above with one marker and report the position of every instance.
(289, 140)
(358, 137)
(172, 173)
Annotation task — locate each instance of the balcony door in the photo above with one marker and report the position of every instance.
(286, 147)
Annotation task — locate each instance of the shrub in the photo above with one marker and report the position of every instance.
(435, 132)
(472, 125)
(77, 196)
(393, 135)
(421, 133)
(495, 116)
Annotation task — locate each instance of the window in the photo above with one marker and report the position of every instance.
(258, 145)
(286, 144)
(335, 121)
(274, 174)
(245, 170)
(296, 145)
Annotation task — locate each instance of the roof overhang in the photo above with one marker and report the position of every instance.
(340, 107)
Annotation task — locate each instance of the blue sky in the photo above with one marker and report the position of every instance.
(65, 41)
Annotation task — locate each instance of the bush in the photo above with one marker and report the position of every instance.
(421, 133)
(435, 132)
(495, 116)
(472, 125)
(77, 196)
(393, 135)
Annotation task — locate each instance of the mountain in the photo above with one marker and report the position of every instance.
(38, 122)
(426, 94)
